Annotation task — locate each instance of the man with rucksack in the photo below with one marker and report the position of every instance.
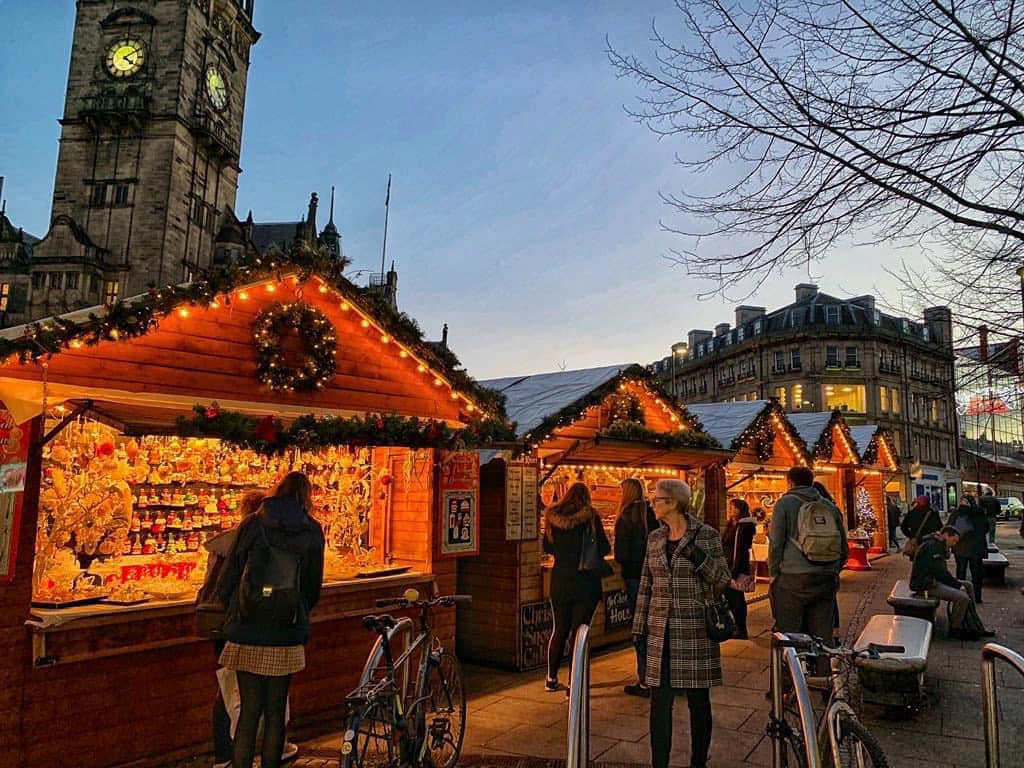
(807, 549)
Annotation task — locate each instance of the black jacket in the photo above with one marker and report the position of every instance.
(930, 566)
(973, 544)
(990, 506)
(632, 528)
(563, 538)
(913, 519)
(737, 538)
(287, 527)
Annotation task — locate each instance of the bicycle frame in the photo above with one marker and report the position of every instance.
(785, 660)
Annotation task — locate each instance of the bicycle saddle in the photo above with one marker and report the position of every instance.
(380, 623)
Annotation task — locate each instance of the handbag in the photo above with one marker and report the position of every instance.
(719, 623)
(745, 581)
(911, 545)
(591, 560)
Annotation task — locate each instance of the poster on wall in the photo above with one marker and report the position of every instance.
(13, 456)
(521, 501)
(460, 496)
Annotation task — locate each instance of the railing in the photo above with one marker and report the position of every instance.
(579, 701)
(787, 657)
(989, 654)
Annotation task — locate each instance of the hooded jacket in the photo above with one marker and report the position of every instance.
(563, 538)
(632, 528)
(783, 555)
(288, 527)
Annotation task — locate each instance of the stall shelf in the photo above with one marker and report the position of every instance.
(175, 403)
(597, 425)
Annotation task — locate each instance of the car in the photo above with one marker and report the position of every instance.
(1010, 508)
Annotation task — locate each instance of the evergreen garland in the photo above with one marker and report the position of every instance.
(318, 338)
(634, 431)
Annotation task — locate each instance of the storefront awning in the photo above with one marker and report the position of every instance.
(630, 453)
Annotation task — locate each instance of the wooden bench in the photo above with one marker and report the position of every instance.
(994, 567)
(905, 602)
(895, 679)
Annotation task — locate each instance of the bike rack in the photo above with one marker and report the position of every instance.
(579, 701)
(786, 657)
(989, 654)
(376, 658)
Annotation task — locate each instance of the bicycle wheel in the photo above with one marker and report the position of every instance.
(369, 739)
(444, 712)
(858, 748)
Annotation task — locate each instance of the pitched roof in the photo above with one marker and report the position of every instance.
(726, 421)
(862, 435)
(529, 400)
(280, 234)
(810, 426)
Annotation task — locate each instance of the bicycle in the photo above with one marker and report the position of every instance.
(386, 727)
(850, 743)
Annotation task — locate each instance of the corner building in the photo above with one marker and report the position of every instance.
(148, 164)
(822, 353)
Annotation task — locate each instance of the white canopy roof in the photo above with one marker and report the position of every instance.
(726, 421)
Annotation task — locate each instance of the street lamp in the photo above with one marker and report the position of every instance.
(679, 350)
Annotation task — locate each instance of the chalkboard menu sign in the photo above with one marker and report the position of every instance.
(617, 613)
(535, 625)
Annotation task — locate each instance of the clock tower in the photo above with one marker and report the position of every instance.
(149, 149)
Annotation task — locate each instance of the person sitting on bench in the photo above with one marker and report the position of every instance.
(930, 574)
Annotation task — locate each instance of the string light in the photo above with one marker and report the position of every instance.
(365, 323)
(243, 295)
(345, 306)
(384, 339)
(271, 288)
(183, 312)
(403, 354)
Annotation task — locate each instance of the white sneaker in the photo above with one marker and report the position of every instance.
(222, 765)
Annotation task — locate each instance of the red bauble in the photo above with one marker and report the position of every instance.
(213, 410)
(105, 449)
(385, 480)
(266, 430)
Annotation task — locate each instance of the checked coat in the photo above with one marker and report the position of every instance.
(672, 599)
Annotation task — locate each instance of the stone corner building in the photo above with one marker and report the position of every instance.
(148, 165)
(822, 353)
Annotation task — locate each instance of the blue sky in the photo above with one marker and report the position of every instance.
(525, 209)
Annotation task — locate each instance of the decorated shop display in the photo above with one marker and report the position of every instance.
(126, 518)
(867, 520)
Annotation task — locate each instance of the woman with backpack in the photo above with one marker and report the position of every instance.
(571, 525)
(271, 583)
(632, 527)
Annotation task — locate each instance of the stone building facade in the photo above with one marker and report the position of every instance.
(822, 353)
(148, 164)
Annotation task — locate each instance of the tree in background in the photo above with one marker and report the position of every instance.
(825, 119)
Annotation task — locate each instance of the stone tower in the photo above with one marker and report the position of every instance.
(149, 149)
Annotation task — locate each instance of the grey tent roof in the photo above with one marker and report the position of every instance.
(726, 421)
(531, 399)
(810, 425)
(862, 435)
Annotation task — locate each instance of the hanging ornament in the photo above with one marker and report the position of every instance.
(316, 364)
(213, 410)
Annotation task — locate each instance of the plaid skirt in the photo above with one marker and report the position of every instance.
(266, 660)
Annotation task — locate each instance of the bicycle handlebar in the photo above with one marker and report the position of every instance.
(807, 643)
(446, 601)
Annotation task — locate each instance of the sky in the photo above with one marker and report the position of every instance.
(525, 209)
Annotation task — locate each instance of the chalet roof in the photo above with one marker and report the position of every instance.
(726, 421)
(529, 400)
(862, 435)
(810, 426)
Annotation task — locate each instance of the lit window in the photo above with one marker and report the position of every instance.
(883, 399)
(831, 357)
(894, 400)
(5, 296)
(110, 290)
(56, 279)
(852, 358)
(798, 396)
(845, 397)
(780, 395)
(935, 411)
(832, 314)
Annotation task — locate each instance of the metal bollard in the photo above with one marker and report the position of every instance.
(989, 654)
(579, 702)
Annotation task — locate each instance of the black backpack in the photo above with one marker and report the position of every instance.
(269, 592)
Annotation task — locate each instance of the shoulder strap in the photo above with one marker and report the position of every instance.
(924, 519)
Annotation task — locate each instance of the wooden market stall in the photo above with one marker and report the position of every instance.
(130, 435)
(836, 461)
(879, 476)
(766, 446)
(597, 425)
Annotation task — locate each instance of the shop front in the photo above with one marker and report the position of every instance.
(137, 433)
(599, 426)
(766, 446)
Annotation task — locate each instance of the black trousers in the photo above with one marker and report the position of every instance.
(221, 720)
(805, 602)
(567, 615)
(266, 696)
(699, 702)
(738, 605)
(977, 572)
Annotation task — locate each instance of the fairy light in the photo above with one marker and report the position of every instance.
(75, 344)
(437, 382)
(271, 288)
(183, 312)
(403, 354)
(455, 395)
(323, 288)
(385, 339)
(243, 295)
(364, 323)
(345, 306)
(214, 304)
(421, 368)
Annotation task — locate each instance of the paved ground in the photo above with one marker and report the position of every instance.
(511, 717)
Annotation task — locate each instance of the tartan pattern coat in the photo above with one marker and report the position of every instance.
(672, 598)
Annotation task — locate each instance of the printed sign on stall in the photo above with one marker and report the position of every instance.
(521, 501)
(460, 496)
(13, 456)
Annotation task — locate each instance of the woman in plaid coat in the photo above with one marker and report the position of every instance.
(684, 568)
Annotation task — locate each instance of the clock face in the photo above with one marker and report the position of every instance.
(125, 58)
(216, 88)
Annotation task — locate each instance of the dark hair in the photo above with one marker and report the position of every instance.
(800, 476)
(296, 485)
(822, 491)
(575, 499)
(742, 506)
(949, 530)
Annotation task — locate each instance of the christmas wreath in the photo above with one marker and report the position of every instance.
(276, 367)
